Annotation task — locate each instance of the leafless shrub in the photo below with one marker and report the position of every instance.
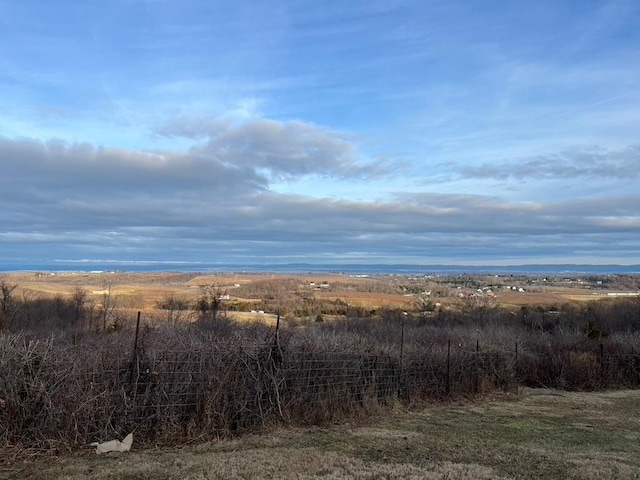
(61, 387)
(176, 309)
(8, 304)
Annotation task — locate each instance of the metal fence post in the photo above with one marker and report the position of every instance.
(517, 373)
(476, 380)
(401, 379)
(134, 354)
(448, 387)
(603, 373)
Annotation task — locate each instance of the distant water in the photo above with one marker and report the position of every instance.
(352, 269)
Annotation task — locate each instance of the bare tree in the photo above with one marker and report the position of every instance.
(28, 310)
(174, 307)
(210, 305)
(8, 304)
(478, 308)
(109, 299)
(425, 305)
(78, 303)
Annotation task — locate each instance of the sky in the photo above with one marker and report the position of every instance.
(285, 131)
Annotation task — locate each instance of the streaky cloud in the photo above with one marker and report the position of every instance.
(594, 162)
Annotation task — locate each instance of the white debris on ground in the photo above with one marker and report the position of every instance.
(114, 445)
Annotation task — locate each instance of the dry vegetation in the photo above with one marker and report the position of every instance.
(209, 362)
(286, 292)
(537, 434)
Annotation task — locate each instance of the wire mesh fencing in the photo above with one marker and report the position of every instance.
(52, 394)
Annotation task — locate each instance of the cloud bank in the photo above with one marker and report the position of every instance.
(217, 201)
(409, 131)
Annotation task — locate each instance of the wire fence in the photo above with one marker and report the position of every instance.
(239, 387)
(236, 385)
(243, 387)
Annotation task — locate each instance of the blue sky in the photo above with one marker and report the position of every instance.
(422, 132)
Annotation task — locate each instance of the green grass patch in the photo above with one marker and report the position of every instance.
(539, 434)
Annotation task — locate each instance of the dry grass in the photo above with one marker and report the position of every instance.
(516, 299)
(273, 463)
(540, 434)
(370, 300)
(149, 288)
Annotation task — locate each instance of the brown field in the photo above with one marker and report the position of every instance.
(144, 291)
(534, 298)
(370, 300)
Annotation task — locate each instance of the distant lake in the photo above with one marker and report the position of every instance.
(351, 269)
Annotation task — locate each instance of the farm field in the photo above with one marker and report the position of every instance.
(537, 434)
(146, 291)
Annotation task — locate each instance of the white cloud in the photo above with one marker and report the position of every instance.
(594, 162)
(100, 203)
(276, 130)
(281, 149)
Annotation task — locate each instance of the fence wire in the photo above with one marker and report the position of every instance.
(232, 387)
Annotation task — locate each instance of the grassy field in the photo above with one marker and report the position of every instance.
(145, 291)
(538, 434)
